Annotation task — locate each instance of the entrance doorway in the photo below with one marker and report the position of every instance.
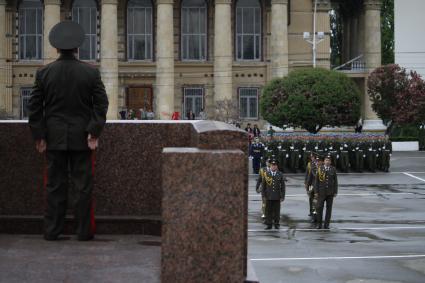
(139, 98)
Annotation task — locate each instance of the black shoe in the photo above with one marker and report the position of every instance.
(319, 227)
(86, 238)
(276, 226)
(269, 227)
(326, 226)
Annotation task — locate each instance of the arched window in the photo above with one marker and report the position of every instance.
(194, 30)
(248, 30)
(30, 30)
(84, 12)
(139, 30)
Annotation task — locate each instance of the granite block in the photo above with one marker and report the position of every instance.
(203, 215)
(128, 167)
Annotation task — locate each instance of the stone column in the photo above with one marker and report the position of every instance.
(164, 60)
(51, 18)
(372, 56)
(109, 54)
(279, 38)
(3, 65)
(223, 55)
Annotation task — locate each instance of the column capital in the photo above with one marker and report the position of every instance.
(164, 2)
(372, 4)
(111, 2)
(223, 2)
(284, 2)
(323, 5)
(51, 2)
(3, 2)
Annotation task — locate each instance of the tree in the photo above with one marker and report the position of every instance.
(311, 99)
(387, 32)
(396, 95)
(226, 111)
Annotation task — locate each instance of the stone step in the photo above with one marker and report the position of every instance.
(123, 224)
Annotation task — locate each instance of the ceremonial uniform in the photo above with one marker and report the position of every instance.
(259, 189)
(68, 103)
(273, 190)
(310, 175)
(326, 188)
(257, 149)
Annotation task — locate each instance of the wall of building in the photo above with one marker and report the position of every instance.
(409, 34)
(141, 73)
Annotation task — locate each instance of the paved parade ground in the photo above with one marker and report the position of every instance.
(377, 235)
(377, 232)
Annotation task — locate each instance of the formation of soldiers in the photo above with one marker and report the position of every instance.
(356, 154)
(321, 185)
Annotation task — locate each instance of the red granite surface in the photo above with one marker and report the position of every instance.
(203, 213)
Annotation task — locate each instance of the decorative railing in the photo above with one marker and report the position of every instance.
(355, 65)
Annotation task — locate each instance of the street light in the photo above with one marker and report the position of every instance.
(316, 37)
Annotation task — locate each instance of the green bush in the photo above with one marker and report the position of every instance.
(403, 139)
(311, 99)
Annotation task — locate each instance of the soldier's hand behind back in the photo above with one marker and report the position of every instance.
(92, 142)
(40, 145)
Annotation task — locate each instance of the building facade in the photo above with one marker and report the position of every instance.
(167, 56)
(409, 35)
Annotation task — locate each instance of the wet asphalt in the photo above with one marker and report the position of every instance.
(377, 231)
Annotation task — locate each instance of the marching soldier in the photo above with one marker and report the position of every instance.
(257, 149)
(258, 187)
(325, 189)
(310, 174)
(273, 190)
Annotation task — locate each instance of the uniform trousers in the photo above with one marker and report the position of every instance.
(320, 204)
(272, 212)
(75, 165)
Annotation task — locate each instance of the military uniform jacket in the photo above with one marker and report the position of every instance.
(326, 181)
(273, 187)
(310, 173)
(262, 171)
(67, 103)
(257, 150)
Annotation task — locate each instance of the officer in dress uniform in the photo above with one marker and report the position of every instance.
(273, 190)
(325, 190)
(67, 112)
(258, 187)
(257, 149)
(310, 174)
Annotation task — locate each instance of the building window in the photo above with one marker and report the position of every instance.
(25, 97)
(248, 30)
(193, 100)
(30, 28)
(194, 30)
(248, 102)
(139, 30)
(85, 13)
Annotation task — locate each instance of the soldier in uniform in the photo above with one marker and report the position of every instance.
(67, 112)
(258, 187)
(257, 149)
(310, 173)
(273, 190)
(325, 189)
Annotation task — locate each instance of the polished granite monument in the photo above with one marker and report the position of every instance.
(191, 177)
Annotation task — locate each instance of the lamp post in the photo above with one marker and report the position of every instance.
(316, 37)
